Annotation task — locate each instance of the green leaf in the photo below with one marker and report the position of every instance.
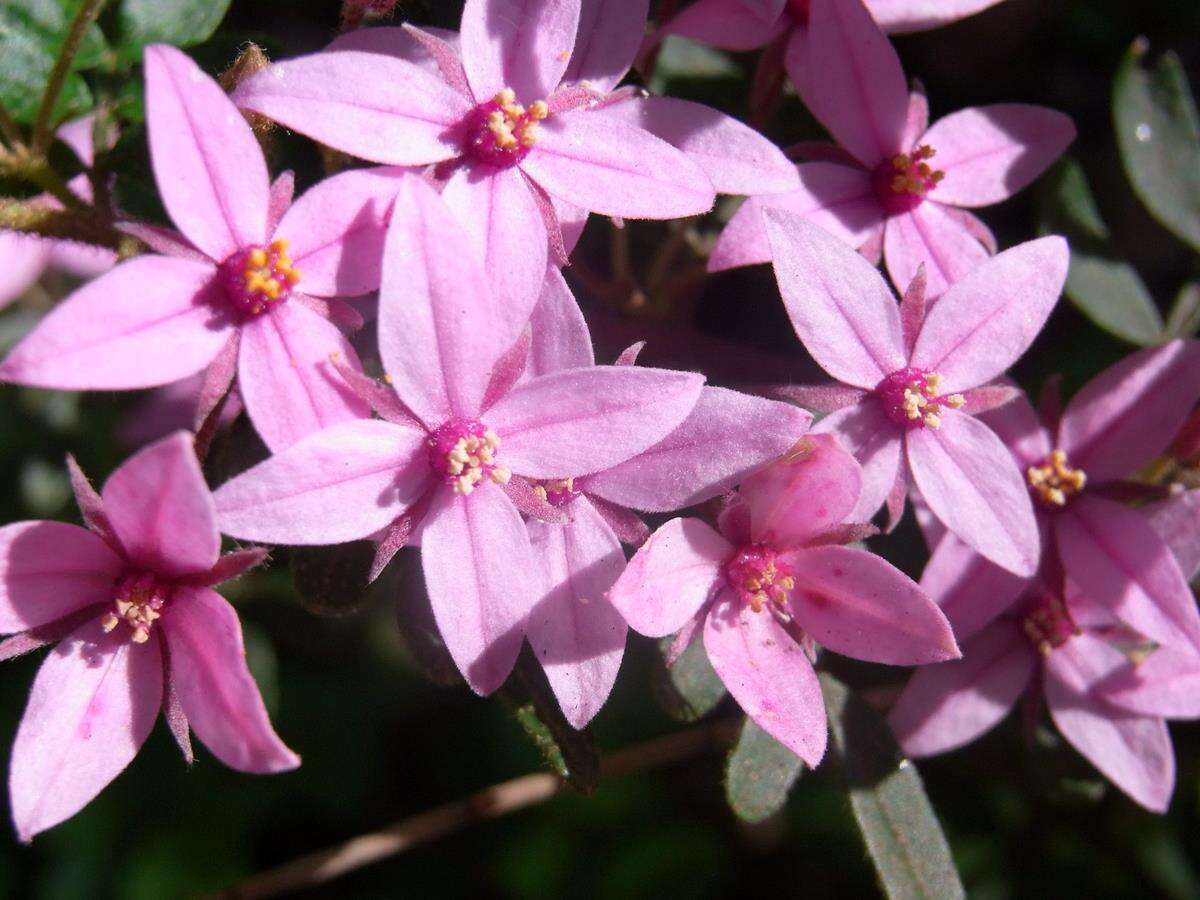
(332, 581)
(899, 827)
(179, 22)
(1159, 138)
(759, 774)
(1105, 289)
(689, 689)
(1185, 313)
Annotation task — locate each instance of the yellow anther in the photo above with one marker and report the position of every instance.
(538, 110)
(931, 420)
(108, 622)
(955, 401)
(257, 259)
(506, 97)
(1056, 481)
(501, 475)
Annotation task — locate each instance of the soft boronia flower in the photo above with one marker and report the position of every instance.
(458, 429)
(24, 257)
(895, 185)
(911, 377)
(508, 134)
(238, 291)
(576, 634)
(129, 603)
(772, 581)
(1075, 463)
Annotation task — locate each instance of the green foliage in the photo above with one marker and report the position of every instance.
(759, 774)
(690, 688)
(179, 22)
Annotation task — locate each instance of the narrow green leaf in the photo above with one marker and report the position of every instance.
(898, 824)
(332, 581)
(689, 689)
(759, 774)
(1159, 138)
(179, 22)
(31, 35)
(1184, 319)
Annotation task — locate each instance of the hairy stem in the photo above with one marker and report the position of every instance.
(9, 130)
(89, 11)
(81, 225)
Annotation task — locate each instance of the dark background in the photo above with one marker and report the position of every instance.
(380, 743)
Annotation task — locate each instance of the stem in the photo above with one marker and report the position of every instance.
(89, 11)
(490, 803)
(9, 130)
(82, 225)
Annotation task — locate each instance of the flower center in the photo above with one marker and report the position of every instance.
(760, 578)
(558, 492)
(1055, 481)
(463, 452)
(902, 182)
(257, 278)
(910, 398)
(137, 601)
(501, 132)
(798, 10)
(1049, 625)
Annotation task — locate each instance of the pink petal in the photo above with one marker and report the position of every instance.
(508, 370)
(857, 604)
(91, 708)
(903, 16)
(867, 434)
(441, 329)
(930, 237)
(973, 226)
(670, 577)
(610, 34)
(480, 574)
(625, 523)
(81, 260)
(216, 690)
(149, 321)
(281, 195)
(77, 134)
(971, 483)
(842, 310)
(1018, 425)
(576, 634)
(335, 231)
(23, 258)
(286, 378)
(1165, 684)
(520, 44)
(1113, 555)
(729, 26)
(561, 339)
(988, 319)
(916, 122)
(988, 153)
(820, 398)
(578, 421)
(403, 43)
(913, 307)
(91, 504)
(210, 171)
(1133, 752)
(49, 570)
(1177, 522)
(365, 472)
(373, 106)
(613, 168)
(500, 218)
(235, 564)
(725, 438)
(735, 157)
(442, 48)
(1128, 414)
(769, 676)
(970, 590)
(163, 241)
(849, 76)
(951, 704)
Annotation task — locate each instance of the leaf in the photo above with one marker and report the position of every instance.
(1105, 289)
(901, 831)
(332, 581)
(179, 22)
(1159, 138)
(402, 583)
(759, 774)
(689, 689)
(1184, 319)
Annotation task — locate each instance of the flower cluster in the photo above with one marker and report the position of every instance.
(519, 468)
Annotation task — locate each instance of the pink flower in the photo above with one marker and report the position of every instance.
(238, 296)
(458, 428)
(138, 627)
(906, 396)
(772, 581)
(895, 185)
(501, 120)
(574, 631)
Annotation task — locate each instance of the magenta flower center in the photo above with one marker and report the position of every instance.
(138, 600)
(557, 492)
(760, 578)
(798, 10)
(911, 398)
(902, 182)
(1055, 482)
(463, 452)
(1049, 625)
(501, 132)
(257, 278)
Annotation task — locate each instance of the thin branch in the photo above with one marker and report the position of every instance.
(9, 130)
(89, 11)
(490, 803)
(82, 225)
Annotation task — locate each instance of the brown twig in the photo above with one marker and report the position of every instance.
(490, 803)
(89, 11)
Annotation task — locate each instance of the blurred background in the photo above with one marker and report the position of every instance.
(381, 742)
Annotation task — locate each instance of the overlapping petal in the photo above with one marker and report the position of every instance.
(520, 44)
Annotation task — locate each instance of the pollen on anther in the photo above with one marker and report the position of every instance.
(1055, 482)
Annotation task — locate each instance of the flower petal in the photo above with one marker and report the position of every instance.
(560, 336)
(988, 153)
(149, 321)
(1166, 684)
(903, 16)
(91, 708)
(609, 37)
(209, 673)
(930, 237)
(210, 171)
(842, 310)
(873, 439)
(1177, 521)
(23, 258)
(480, 574)
(988, 319)
(520, 44)
(769, 676)
(1018, 425)
(971, 590)
(576, 634)
(729, 26)
(365, 472)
